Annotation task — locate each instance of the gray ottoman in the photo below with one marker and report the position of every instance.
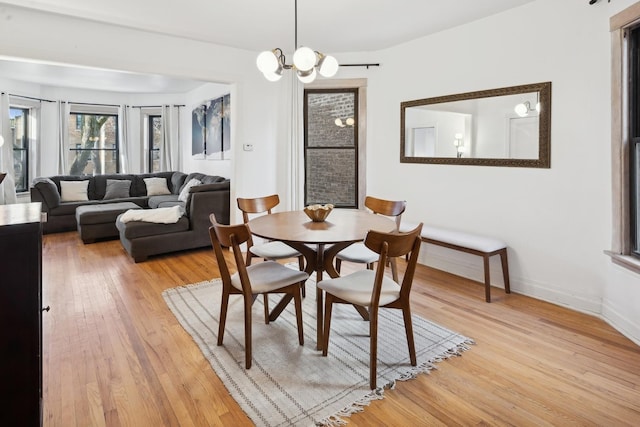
(99, 221)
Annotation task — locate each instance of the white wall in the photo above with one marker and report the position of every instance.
(556, 221)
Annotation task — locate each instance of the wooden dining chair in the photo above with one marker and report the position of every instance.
(272, 250)
(267, 277)
(358, 252)
(374, 290)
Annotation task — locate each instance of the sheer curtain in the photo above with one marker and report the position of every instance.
(125, 138)
(170, 146)
(295, 143)
(8, 186)
(48, 147)
(64, 109)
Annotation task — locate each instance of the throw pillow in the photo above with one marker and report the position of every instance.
(184, 193)
(156, 186)
(117, 189)
(74, 191)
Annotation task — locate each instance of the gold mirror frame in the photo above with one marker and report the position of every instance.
(544, 130)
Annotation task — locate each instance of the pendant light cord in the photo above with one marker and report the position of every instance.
(295, 36)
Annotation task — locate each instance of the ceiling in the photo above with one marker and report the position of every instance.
(330, 26)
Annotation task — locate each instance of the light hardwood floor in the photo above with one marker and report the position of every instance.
(114, 355)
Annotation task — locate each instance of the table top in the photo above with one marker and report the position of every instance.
(342, 225)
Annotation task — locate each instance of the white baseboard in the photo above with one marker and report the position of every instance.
(620, 323)
(471, 267)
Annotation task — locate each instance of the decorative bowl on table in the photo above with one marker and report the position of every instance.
(318, 213)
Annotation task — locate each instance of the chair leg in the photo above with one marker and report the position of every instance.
(373, 347)
(223, 315)
(408, 327)
(301, 266)
(394, 269)
(297, 299)
(247, 333)
(266, 309)
(328, 306)
(338, 264)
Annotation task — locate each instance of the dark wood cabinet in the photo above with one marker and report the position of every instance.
(21, 315)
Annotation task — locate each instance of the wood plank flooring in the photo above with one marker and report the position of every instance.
(114, 355)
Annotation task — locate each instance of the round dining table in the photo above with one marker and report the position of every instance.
(319, 243)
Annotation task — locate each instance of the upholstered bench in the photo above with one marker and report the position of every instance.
(474, 244)
(99, 221)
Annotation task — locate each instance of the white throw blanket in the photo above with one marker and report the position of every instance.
(160, 215)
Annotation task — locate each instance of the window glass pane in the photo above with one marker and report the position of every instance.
(331, 177)
(20, 140)
(155, 135)
(331, 119)
(93, 144)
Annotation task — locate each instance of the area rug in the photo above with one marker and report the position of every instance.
(289, 384)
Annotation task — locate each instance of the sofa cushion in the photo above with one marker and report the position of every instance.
(204, 179)
(117, 189)
(74, 191)
(162, 201)
(136, 229)
(139, 187)
(177, 181)
(49, 191)
(103, 212)
(223, 185)
(184, 193)
(156, 186)
(98, 184)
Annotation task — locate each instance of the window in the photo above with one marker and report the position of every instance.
(331, 147)
(625, 137)
(155, 139)
(93, 144)
(19, 118)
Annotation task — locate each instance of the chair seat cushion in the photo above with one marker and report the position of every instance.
(269, 276)
(458, 238)
(357, 288)
(274, 250)
(358, 252)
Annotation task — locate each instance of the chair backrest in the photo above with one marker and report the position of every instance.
(392, 208)
(392, 245)
(231, 236)
(257, 205)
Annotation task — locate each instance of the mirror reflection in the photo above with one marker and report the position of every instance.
(498, 127)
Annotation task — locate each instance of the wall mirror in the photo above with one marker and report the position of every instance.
(509, 126)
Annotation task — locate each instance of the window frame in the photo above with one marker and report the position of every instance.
(25, 148)
(355, 148)
(623, 190)
(151, 150)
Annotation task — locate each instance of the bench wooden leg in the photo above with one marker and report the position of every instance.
(505, 270)
(487, 279)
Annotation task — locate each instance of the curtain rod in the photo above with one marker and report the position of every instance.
(360, 65)
(27, 97)
(116, 105)
(155, 106)
(89, 103)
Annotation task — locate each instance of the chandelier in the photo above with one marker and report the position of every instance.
(307, 63)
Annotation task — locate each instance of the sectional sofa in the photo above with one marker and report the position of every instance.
(95, 212)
